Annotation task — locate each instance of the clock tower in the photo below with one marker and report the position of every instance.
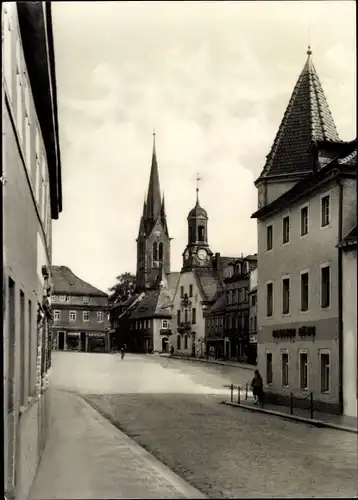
(197, 252)
(153, 242)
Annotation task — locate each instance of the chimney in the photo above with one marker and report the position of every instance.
(217, 261)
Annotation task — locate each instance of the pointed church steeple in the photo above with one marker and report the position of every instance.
(307, 120)
(153, 198)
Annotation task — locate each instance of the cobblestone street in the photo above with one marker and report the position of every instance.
(172, 409)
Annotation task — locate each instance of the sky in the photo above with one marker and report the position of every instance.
(213, 79)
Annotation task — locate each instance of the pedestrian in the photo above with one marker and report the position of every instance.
(122, 353)
(257, 387)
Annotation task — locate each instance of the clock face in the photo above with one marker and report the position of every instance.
(202, 254)
(157, 233)
(186, 254)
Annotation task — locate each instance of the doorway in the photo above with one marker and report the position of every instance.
(164, 344)
(83, 342)
(61, 341)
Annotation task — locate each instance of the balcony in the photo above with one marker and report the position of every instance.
(184, 326)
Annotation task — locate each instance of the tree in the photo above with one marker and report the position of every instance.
(123, 289)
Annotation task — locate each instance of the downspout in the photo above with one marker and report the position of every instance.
(340, 297)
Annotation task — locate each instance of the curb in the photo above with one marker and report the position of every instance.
(199, 360)
(296, 418)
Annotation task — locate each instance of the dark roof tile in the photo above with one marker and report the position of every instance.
(66, 282)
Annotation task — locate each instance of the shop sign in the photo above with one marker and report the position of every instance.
(284, 332)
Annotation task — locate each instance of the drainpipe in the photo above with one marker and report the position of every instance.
(340, 296)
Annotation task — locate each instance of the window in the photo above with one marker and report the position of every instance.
(269, 299)
(304, 291)
(68, 298)
(181, 291)
(303, 370)
(85, 300)
(178, 342)
(253, 300)
(30, 375)
(160, 251)
(23, 339)
(178, 316)
(7, 55)
(155, 252)
(165, 324)
(269, 368)
(62, 298)
(285, 295)
(304, 221)
(38, 164)
(229, 297)
(234, 294)
(27, 126)
(269, 235)
(11, 351)
(57, 315)
(286, 229)
(255, 323)
(325, 211)
(325, 372)
(19, 105)
(238, 269)
(201, 233)
(72, 315)
(325, 287)
(190, 290)
(284, 369)
(193, 316)
(86, 316)
(100, 317)
(186, 342)
(246, 268)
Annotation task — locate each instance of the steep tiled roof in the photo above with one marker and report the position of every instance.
(219, 305)
(65, 282)
(209, 283)
(307, 119)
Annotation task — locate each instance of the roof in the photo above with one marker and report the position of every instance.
(197, 211)
(209, 283)
(309, 184)
(350, 239)
(35, 22)
(173, 280)
(219, 305)
(307, 119)
(66, 282)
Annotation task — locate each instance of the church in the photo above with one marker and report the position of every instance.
(143, 322)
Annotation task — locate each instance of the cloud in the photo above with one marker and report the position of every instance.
(214, 80)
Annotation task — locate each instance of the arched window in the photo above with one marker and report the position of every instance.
(179, 342)
(201, 233)
(160, 251)
(186, 342)
(155, 251)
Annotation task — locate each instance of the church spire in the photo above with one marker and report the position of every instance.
(153, 197)
(307, 119)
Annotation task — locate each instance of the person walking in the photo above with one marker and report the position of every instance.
(122, 353)
(257, 387)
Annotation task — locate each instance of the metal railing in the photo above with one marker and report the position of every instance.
(239, 390)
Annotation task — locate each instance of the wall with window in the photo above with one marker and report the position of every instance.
(27, 247)
(300, 248)
(161, 330)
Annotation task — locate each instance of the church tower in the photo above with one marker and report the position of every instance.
(197, 252)
(153, 242)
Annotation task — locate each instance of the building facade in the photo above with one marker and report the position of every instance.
(253, 316)
(80, 314)
(307, 198)
(31, 194)
(349, 319)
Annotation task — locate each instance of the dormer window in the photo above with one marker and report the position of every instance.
(246, 267)
(85, 300)
(238, 269)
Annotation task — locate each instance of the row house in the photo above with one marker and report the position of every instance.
(307, 205)
(31, 193)
(80, 314)
(253, 316)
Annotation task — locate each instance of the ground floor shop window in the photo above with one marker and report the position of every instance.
(269, 368)
(303, 370)
(325, 371)
(284, 369)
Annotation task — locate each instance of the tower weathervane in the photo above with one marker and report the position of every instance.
(198, 179)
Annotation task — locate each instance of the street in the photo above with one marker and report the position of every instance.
(172, 408)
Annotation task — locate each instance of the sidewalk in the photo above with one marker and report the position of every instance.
(320, 419)
(87, 457)
(235, 364)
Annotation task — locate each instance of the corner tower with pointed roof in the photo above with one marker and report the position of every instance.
(153, 242)
(306, 124)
